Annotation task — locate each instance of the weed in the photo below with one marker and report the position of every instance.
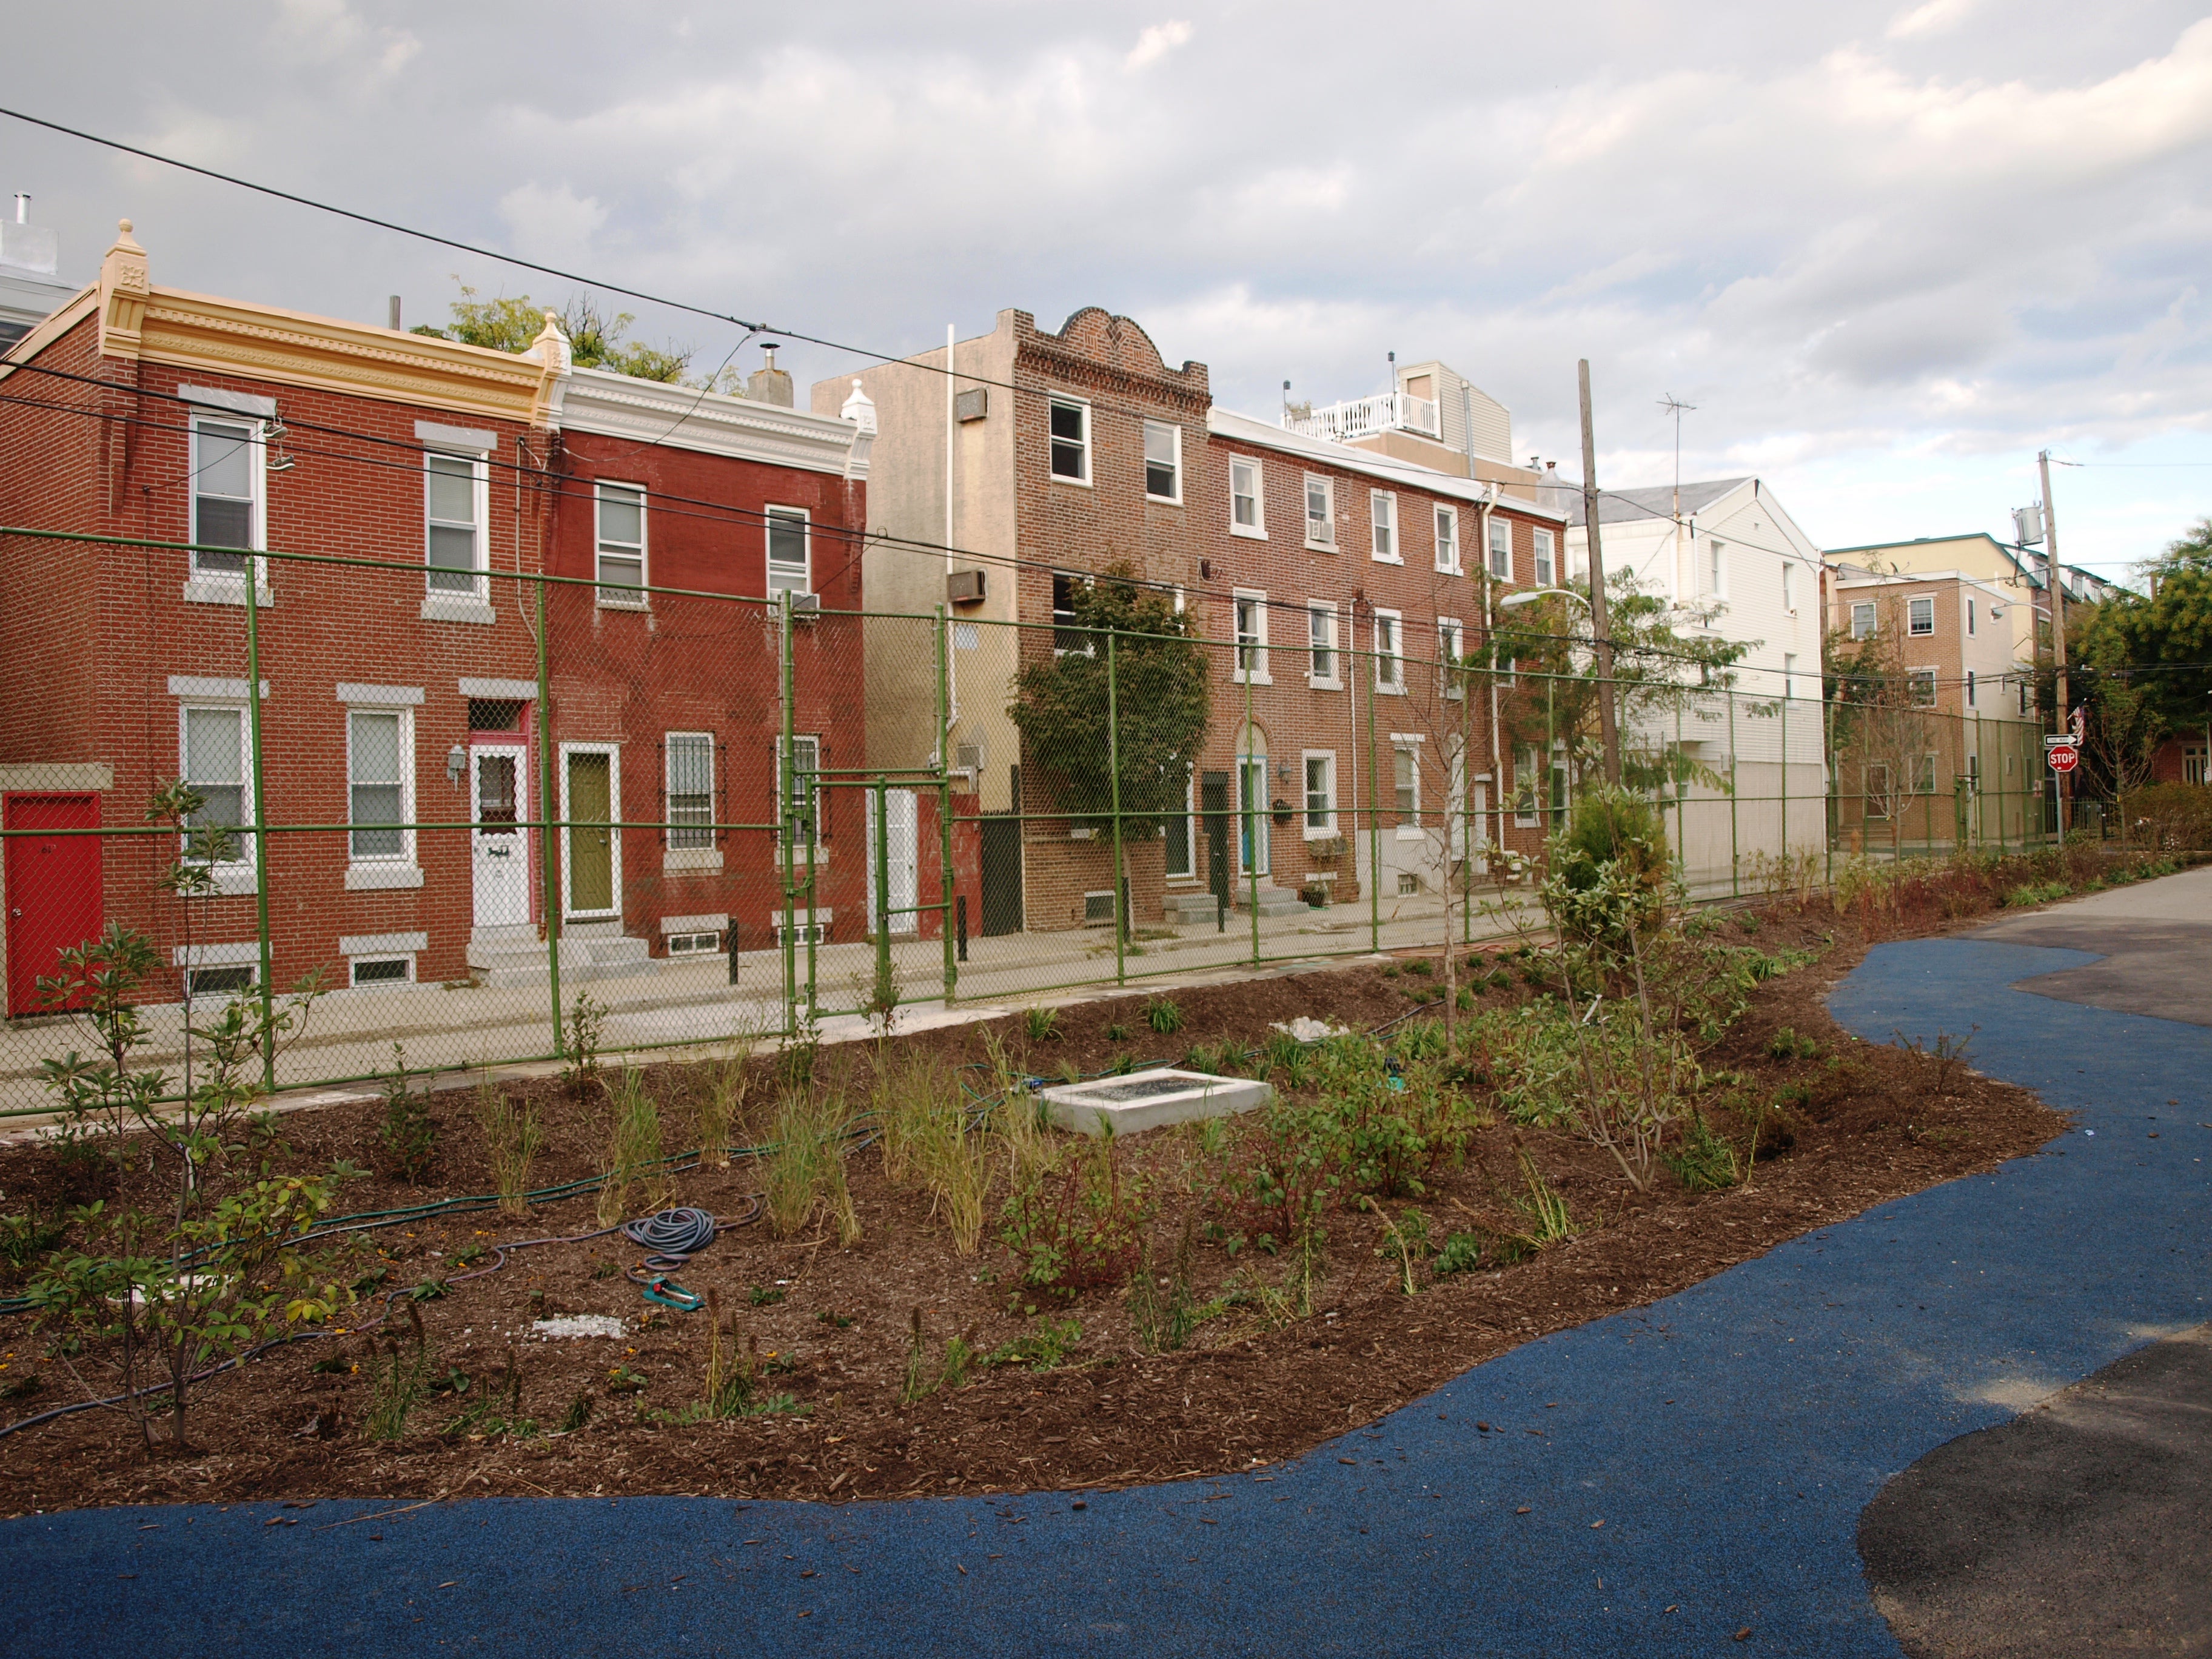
(25, 1238)
(397, 1382)
(1164, 1311)
(633, 1152)
(1422, 966)
(1786, 1044)
(578, 1414)
(1546, 1211)
(586, 1026)
(807, 1166)
(1042, 1025)
(1465, 1000)
(1392, 970)
(471, 1253)
(729, 1376)
(407, 1135)
(1950, 1054)
(837, 1321)
(621, 1379)
(722, 1104)
(1045, 1348)
(1163, 1016)
(1407, 1238)
(950, 1370)
(802, 1046)
(1117, 1033)
(761, 1296)
(604, 1269)
(1461, 1253)
(1706, 1162)
(904, 1093)
(512, 1136)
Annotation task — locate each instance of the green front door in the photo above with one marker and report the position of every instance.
(590, 842)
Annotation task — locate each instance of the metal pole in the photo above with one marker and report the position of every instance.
(1834, 802)
(260, 815)
(548, 837)
(786, 785)
(2063, 784)
(1114, 800)
(1598, 625)
(1466, 807)
(1785, 773)
(883, 887)
(1682, 829)
(1374, 798)
(1253, 824)
(1735, 849)
(944, 804)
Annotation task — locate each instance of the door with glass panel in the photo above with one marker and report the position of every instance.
(499, 852)
(1252, 815)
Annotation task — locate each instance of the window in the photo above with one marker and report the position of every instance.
(1789, 587)
(790, 555)
(1389, 652)
(383, 970)
(1071, 442)
(800, 800)
(1877, 791)
(1162, 461)
(1383, 514)
(1920, 615)
(691, 785)
(1252, 636)
(1406, 784)
(1970, 689)
(1320, 633)
(1717, 569)
(227, 478)
(1321, 794)
(622, 544)
(1924, 775)
(1449, 645)
(2023, 694)
(1545, 574)
(1789, 673)
(1177, 831)
(455, 495)
(1066, 635)
(214, 742)
(1447, 539)
(1525, 797)
(700, 944)
(1320, 513)
(1966, 603)
(1863, 620)
(1501, 549)
(221, 981)
(377, 744)
(1246, 514)
(1922, 681)
(2192, 763)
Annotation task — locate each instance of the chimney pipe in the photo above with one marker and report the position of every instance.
(395, 313)
(22, 207)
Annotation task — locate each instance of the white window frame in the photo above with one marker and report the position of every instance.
(207, 586)
(1383, 526)
(1334, 680)
(1451, 642)
(1174, 434)
(1393, 658)
(404, 715)
(688, 854)
(1325, 541)
(1500, 550)
(1528, 785)
(1189, 816)
(478, 592)
(362, 949)
(1088, 648)
(1924, 772)
(613, 752)
(1872, 619)
(620, 596)
(235, 874)
(1546, 568)
(1327, 827)
(769, 514)
(1447, 538)
(1789, 586)
(1251, 659)
(1407, 744)
(1912, 607)
(1914, 679)
(1257, 530)
(1717, 567)
(1083, 444)
(1789, 674)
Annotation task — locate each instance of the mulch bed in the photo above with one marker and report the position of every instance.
(1871, 1129)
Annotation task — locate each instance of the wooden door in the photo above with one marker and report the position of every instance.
(53, 889)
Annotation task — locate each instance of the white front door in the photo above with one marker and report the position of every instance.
(499, 851)
(901, 874)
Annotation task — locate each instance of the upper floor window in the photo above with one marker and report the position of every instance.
(456, 492)
(1970, 701)
(1162, 461)
(1717, 569)
(1966, 603)
(1789, 673)
(622, 544)
(1451, 647)
(790, 553)
(1863, 623)
(1066, 635)
(1789, 586)
(1383, 514)
(1920, 615)
(1247, 516)
(1320, 511)
(1922, 683)
(1251, 636)
(1389, 652)
(1447, 539)
(1501, 549)
(1071, 440)
(1545, 574)
(227, 478)
(1321, 635)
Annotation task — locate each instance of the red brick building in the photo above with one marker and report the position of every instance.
(391, 498)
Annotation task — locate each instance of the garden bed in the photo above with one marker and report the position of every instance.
(1292, 1349)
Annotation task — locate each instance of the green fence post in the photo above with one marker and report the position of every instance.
(260, 816)
(1253, 822)
(549, 838)
(1834, 801)
(1735, 846)
(1113, 802)
(1786, 775)
(883, 888)
(1374, 799)
(944, 805)
(786, 784)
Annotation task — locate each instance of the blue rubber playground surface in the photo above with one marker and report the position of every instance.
(1725, 1438)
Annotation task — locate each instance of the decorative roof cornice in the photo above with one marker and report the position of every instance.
(607, 404)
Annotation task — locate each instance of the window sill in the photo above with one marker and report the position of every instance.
(1447, 570)
(1410, 832)
(1313, 546)
(798, 855)
(609, 603)
(1318, 685)
(1320, 835)
(234, 881)
(692, 858)
(1249, 533)
(1162, 501)
(458, 609)
(381, 877)
(1062, 478)
(1385, 558)
(1389, 690)
(227, 590)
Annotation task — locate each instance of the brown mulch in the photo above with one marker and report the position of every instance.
(1870, 1126)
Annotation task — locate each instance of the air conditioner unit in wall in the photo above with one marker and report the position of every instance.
(964, 587)
(805, 602)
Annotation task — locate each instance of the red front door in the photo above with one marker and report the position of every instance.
(53, 889)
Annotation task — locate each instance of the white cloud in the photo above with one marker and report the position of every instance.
(1156, 42)
(552, 224)
(1934, 17)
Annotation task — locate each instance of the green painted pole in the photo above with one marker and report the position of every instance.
(1252, 830)
(1374, 801)
(788, 787)
(260, 813)
(548, 837)
(1786, 774)
(1114, 799)
(1835, 812)
(1735, 846)
(1466, 810)
(944, 805)
(883, 882)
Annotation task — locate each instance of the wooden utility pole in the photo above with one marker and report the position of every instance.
(1606, 728)
(2064, 703)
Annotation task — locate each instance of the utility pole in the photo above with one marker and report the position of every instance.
(1607, 730)
(2064, 703)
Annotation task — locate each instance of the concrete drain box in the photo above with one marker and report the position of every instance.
(1145, 1100)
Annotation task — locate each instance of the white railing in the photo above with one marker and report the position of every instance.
(1363, 418)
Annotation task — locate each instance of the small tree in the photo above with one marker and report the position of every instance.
(595, 339)
(1879, 720)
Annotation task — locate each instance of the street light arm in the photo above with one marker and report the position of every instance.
(1529, 596)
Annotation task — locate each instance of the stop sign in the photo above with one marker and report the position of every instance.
(2062, 756)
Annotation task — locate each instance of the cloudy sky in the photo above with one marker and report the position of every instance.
(1888, 250)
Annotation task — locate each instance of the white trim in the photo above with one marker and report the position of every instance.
(1305, 796)
(1319, 452)
(1500, 527)
(382, 945)
(245, 955)
(1543, 557)
(1395, 656)
(1305, 509)
(1257, 674)
(236, 875)
(236, 403)
(403, 714)
(1458, 650)
(1406, 743)
(386, 695)
(686, 858)
(1176, 437)
(769, 512)
(454, 437)
(1446, 513)
(1378, 530)
(613, 752)
(671, 416)
(698, 924)
(479, 593)
(1257, 530)
(1333, 681)
(1057, 399)
(217, 691)
(203, 586)
(611, 595)
(215, 588)
(693, 857)
(499, 690)
(354, 965)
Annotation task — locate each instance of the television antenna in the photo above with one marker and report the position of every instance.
(1677, 408)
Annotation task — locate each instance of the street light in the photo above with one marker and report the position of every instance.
(1529, 596)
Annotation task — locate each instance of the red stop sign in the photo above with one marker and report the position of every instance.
(2062, 756)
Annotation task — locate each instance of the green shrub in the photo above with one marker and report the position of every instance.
(1162, 1014)
(407, 1135)
(1077, 1222)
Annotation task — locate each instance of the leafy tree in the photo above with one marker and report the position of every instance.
(1880, 732)
(2157, 647)
(595, 340)
(1161, 700)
